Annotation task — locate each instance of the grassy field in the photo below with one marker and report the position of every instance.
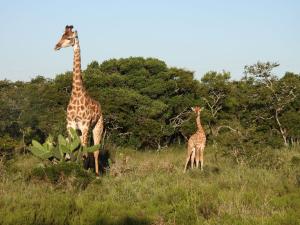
(150, 188)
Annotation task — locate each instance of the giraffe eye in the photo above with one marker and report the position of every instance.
(69, 38)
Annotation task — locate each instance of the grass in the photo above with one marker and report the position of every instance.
(150, 188)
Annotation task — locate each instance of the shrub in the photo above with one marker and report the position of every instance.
(7, 145)
(63, 173)
(266, 158)
(295, 161)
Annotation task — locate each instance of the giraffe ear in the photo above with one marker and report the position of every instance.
(193, 109)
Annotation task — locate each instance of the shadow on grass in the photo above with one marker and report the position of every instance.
(104, 156)
(124, 221)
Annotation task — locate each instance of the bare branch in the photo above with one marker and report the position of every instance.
(215, 104)
(227, 127)
(178, 120)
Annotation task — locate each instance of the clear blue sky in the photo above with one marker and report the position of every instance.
(196, 35)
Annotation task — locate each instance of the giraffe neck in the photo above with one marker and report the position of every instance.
(199, 126)
(77, 84)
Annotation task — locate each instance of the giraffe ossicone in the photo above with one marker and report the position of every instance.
(83, 112)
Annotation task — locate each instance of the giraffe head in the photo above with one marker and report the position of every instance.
(196, 109)
(67, 39)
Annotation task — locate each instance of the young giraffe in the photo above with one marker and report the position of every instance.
(83, 112)
(196, 143)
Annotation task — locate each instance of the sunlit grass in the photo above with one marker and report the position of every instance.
(150, 188)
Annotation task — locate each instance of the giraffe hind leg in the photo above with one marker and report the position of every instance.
(197, 157)
(190, 152)
(190, 158)
(193, 158)
(201, 157)
(186, 163)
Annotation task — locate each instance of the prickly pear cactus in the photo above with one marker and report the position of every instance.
(44, 151)
(72, 147)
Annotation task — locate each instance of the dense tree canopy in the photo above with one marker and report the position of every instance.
(147, 105)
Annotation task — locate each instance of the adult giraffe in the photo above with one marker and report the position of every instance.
(83, 112)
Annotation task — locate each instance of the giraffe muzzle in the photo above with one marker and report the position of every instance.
(57, 47)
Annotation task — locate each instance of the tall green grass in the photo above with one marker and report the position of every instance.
(150, 188)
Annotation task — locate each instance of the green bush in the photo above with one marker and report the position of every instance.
(63, 173)
(295, 161)
(7, 145)
(266, 158)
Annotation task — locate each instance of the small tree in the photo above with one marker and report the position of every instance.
(279, 94)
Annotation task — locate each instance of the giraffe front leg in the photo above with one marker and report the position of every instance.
(84, 138)
(70, 125)
(97, 135)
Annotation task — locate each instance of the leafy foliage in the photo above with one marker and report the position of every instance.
(146, 105)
